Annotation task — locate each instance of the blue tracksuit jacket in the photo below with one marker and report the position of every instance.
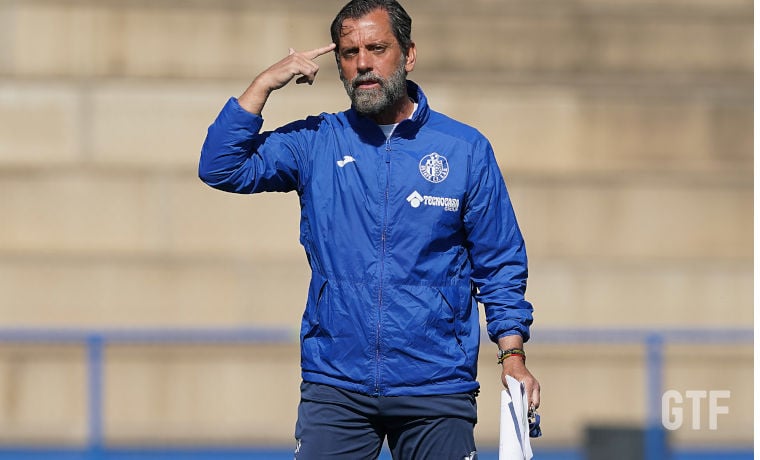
(404, 236)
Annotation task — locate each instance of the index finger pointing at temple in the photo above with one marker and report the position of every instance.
(315, 53)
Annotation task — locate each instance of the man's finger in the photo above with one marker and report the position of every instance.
(536, 397)
(308, 76)
(315, 53)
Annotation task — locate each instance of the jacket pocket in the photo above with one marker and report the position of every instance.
(456, 319)
(317, 291)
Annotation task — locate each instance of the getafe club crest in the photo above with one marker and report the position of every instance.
(434, 167)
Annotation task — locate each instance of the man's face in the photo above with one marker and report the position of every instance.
(372, 65)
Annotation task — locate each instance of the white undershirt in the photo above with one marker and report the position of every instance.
(388, 129)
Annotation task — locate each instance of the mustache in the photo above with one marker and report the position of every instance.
(368, 77)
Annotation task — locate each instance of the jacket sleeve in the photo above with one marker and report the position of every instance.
(236, 157)
(497, 249)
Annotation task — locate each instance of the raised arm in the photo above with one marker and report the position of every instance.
(237, 157)
(299, 64)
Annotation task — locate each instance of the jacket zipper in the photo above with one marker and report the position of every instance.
(383, 238)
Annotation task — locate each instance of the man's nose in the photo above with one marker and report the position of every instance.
(363, 61)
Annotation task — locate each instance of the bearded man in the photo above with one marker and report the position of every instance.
(390, 333)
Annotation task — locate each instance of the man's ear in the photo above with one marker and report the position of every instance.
(411, 57)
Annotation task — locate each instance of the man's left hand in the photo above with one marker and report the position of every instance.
(515, 367)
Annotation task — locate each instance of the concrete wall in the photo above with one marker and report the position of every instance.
(624, 130)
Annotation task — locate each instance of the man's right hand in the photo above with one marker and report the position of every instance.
(295, 64)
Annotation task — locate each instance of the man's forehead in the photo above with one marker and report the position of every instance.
(375, 24)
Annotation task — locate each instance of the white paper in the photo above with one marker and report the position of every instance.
(514, 440)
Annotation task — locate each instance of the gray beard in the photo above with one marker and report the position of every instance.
(376, 101)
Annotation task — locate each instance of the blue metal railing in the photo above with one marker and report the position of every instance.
(96, 341)
(654, 340)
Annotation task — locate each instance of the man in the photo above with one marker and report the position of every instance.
(407, 224)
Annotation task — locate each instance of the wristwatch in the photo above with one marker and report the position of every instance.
(501, 355)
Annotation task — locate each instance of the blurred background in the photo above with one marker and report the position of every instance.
(145, 314)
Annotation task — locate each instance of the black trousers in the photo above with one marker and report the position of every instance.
(340, 424)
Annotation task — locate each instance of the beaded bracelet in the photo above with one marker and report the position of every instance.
(504, 354)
